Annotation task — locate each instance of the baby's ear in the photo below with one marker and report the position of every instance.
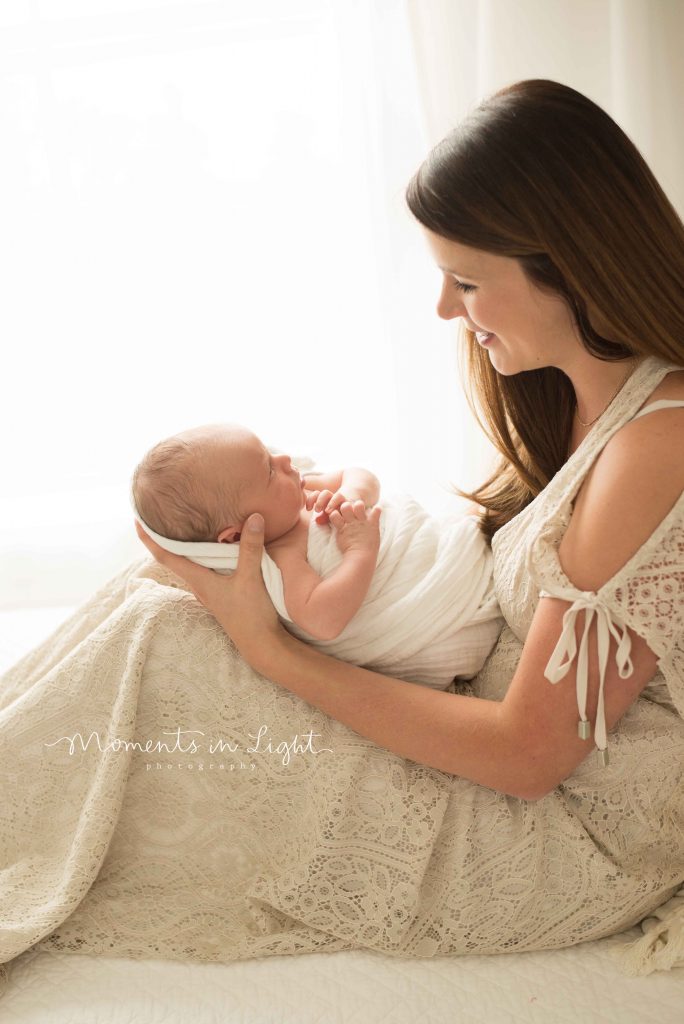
(231, 535)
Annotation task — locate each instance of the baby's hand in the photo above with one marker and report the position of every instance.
(356, 528)
(323, 503)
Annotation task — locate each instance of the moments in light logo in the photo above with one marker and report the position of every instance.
(186, 744)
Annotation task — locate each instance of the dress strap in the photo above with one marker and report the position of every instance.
(663, 403)
(607, 624)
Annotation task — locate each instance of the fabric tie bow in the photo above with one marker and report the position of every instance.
(566, 648)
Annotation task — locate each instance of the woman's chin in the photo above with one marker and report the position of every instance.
(508, 365)
(501, 364)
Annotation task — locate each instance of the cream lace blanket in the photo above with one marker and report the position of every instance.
(299, 835)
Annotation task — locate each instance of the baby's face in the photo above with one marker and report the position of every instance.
(267, 483)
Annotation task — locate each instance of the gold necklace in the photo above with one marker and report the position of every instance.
(591, 422)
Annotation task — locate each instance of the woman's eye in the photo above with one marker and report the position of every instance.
(464, 287)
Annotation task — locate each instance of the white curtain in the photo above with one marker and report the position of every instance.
(203, 219)
(623, 54)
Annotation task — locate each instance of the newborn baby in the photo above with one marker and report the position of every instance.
(378, 584)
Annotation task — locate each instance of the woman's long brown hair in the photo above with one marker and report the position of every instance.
(540, 173)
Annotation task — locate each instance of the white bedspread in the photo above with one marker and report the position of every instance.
(351, 987)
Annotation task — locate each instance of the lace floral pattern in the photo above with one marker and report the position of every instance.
(647, 594)
(340, 846)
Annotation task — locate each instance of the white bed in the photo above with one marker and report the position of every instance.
(355, 987)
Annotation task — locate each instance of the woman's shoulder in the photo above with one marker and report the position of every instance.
(671, 386)
(656, 434)
(634, 485)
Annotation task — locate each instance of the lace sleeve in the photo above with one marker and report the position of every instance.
(607, 624)
(645, 596)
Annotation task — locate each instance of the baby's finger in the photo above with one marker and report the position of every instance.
(374, 515)
(359, 507)
(322, 500)
(311, 497)
(336, 519)
(347, 512)
(337, 499)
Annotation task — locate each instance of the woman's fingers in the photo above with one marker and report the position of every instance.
(241, 603)
(159, 553)
(247, 612)
(251, 547)
(196, 576)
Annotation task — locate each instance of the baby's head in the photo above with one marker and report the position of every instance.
(204, 483)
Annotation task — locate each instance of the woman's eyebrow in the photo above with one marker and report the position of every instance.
(469, 277)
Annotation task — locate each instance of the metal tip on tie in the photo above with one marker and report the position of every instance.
(584, 730)
(603, 758)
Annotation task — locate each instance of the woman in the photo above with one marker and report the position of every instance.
(474, 821)
(555, 239)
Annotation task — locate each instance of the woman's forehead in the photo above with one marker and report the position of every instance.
(463, 260)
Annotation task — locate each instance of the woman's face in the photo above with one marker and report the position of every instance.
(532, 328)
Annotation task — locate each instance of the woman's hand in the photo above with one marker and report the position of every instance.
(240, 603)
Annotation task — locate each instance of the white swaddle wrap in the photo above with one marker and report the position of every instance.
(430, 613)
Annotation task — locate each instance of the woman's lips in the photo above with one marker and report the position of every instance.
(483, 337)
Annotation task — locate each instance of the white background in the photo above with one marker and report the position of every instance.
(202, 218)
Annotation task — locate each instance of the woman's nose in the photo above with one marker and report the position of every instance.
(450, 305)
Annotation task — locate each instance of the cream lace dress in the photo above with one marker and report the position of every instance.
(333, 843)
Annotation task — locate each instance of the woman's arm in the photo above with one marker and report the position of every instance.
(527, 744)
(635, 482)
(463, 736)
